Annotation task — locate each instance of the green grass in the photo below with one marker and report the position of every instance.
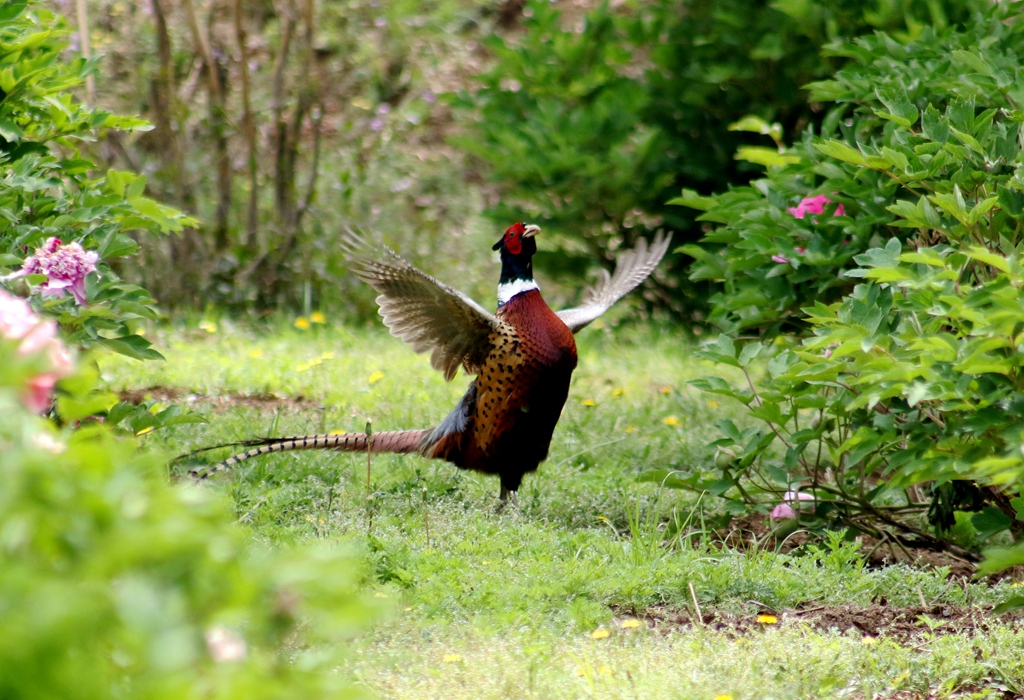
(490, 605)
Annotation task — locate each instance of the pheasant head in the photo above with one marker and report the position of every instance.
(517, 247)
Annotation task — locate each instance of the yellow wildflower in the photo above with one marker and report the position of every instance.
(868, 640)
(302, 323)
(255, 353)
(600, 633)
(712, 404)
(723, 696)
(666, 390)
(629, 624)
(451, 658)
(631, 429)
(767, 619)
(588, 402)
(317, 317)
(579, 672)
(604, 670)
(618, 392)
(375, 377)
(672, 421)
(208, 326)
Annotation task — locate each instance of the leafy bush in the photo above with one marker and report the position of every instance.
(114, 584)
(589, 123)
(905, 393)
(51, 191)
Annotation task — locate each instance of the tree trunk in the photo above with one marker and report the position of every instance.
(284, 166)
(83, 39)
(176, 265)
(248, 129)
(162, 92)
(218, 126)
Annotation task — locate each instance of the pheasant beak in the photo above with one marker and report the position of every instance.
(530, 230)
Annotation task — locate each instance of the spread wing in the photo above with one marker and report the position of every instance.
(631, 268)
(427, 314)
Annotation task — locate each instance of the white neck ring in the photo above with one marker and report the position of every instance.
(507, 290)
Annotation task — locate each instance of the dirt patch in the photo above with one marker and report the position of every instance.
(904, 624)
(219, 402)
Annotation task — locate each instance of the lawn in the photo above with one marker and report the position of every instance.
(589, 588)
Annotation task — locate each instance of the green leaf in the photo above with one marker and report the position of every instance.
(749, 352)
(881, 257)
(1009, 605)
(971, 60)
(934, 126)
(11, 131)
(669, 478)
(758, 126)
(990, 521)
(134, 346)
(840, 151)
(1000, 558)
(900, 109)
(985, 256)
(689, 198)
(765, 156)
(1018, 506)
(968, 141)
(11, 9)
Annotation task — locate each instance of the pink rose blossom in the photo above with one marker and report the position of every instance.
(782, 511)
(38, 337)
(780, 259)
(65, 267)
(814, 205)
(785, 510)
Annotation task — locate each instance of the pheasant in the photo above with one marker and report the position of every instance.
(522, 357)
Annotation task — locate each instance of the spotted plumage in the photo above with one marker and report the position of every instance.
(522, 356)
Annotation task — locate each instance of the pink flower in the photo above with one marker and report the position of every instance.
(38, 337)
(780, 259)
(794, 496)
(814, 205)
(782, 511)
(65, 267)
(38, 392)
(800, 250)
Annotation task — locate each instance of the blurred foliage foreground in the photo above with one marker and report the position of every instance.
(113, 582)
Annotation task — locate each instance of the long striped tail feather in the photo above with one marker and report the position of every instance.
(392, 441)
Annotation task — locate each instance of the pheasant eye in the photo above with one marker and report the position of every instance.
(514, 243)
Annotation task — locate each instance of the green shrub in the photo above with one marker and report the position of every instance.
(588, 124)
(114, 584)
(50, 190)
(905, 393)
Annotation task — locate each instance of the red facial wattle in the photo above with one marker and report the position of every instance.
(514, 238)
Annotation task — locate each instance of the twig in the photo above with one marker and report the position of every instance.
(696, 605)
(369, 464)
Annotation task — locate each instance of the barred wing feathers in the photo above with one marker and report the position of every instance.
(426, 313)
(631, 268)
